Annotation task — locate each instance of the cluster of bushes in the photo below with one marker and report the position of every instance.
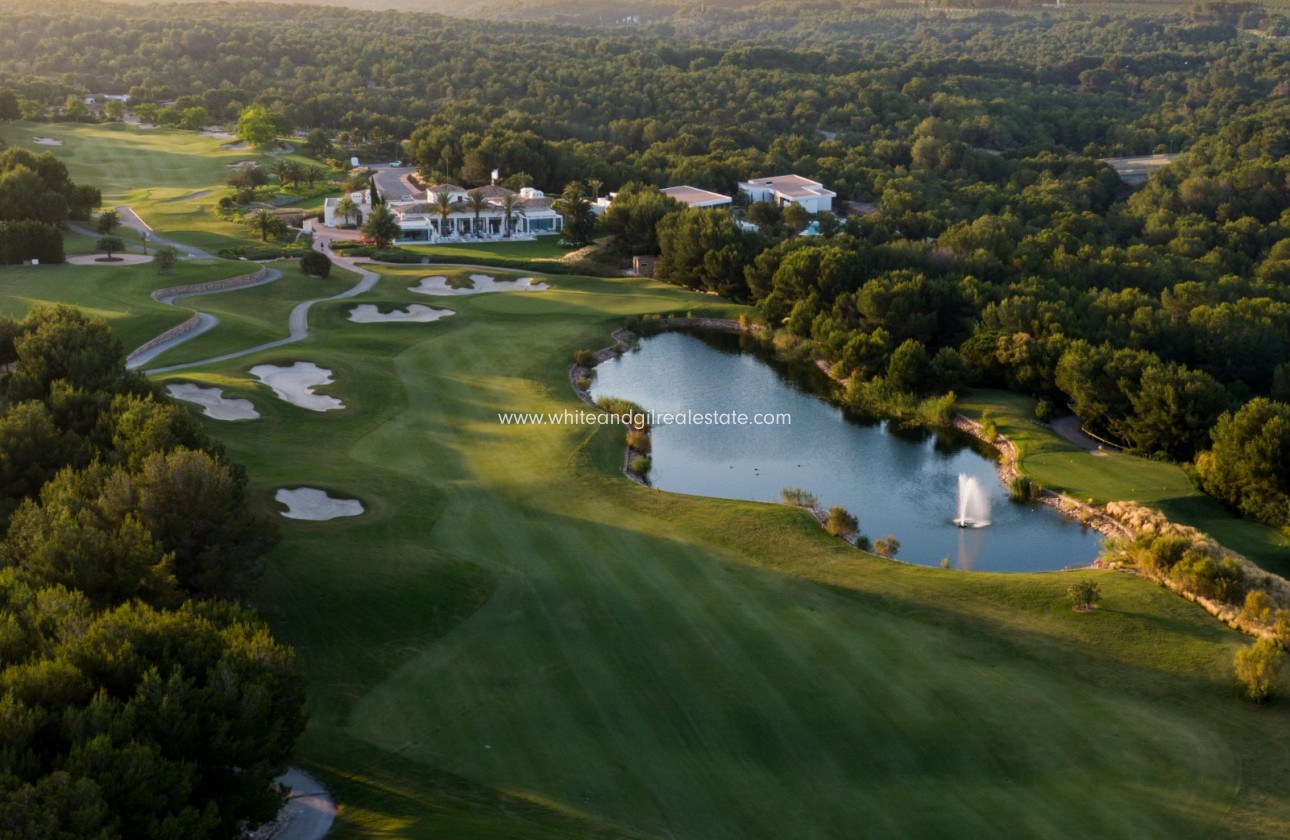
(140, 699)
(259, 252)
(1192, 563)
(390, 255)
(21, 241)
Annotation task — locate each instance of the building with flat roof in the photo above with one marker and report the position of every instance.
(420, 219)
(783, 190)
(695, 197)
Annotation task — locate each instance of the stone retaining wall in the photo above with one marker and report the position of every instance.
(195, 321)
(212, 286)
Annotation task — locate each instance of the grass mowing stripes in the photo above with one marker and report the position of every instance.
(515, 641)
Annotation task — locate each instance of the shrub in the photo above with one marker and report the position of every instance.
(316, 264)
(1023, 489)
(1257, 667)
(1085, 594)
(841, 523)
(1200, 573)
(641, 465)
(582, 383)
(989, 428)
(638, 439)
(799, 497)
(1045, 410)
(30, 240)
(1281, 627)
(1257, 608)
(863, 543)
(585, 358)
(887, 546)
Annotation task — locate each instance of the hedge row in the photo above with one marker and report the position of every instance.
(30, 240)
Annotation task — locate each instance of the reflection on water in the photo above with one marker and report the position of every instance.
(896, 481)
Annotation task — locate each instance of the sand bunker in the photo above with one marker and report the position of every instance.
(46, 141)
(314, 504)
(237, 147)
(295, 384)
(483, 283)
(213, 402)
(368, 313)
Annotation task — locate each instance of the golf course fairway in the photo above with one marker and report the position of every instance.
(513, 640)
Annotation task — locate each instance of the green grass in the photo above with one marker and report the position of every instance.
(516, 641)
(118, 294)
(542, 248)
(118, 159)
(1116, 476)
(255, 315)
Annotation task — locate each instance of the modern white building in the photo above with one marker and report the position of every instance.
(783, 190)
(695, 197)
(421, 218)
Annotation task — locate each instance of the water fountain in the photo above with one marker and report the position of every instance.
(974, 505)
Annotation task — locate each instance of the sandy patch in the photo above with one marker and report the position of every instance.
(483, 283)
(295, 384)
(236, 147)
(145, 126)
(46, 141)
(117, 259)
(315, 505)
(213, 402)
(368, 313)
(221, 135)
(242, 163)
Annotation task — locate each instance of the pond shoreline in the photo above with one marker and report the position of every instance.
(579, 376)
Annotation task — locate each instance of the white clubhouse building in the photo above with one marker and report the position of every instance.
(422, 220)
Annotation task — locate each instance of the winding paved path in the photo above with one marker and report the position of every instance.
(311, 809)
(297, 321)
(206, 319)
(131, 219)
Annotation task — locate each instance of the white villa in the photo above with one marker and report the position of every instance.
(695, 197)
(783, 190)
(421, 219)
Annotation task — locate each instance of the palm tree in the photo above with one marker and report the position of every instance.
(346, 208)
(443, 205)
(579, 223)
(475, 201)
(264, 223)
(283, 168)
(382, 226)
(594, 184)
(508, 209)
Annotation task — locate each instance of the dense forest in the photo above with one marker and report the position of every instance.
(137, 697)
(987, 242)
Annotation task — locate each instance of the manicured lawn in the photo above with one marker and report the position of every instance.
(1115, 476)
(542, 248)
(118, 159)
(515, 641)
(118, 294)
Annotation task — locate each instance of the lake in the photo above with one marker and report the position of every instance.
(896, 482)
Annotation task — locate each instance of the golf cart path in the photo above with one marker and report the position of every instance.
(310, 808)
(131, 219)
(297, 321)
(206, 320)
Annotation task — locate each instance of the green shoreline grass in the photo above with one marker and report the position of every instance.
(1117, 476)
